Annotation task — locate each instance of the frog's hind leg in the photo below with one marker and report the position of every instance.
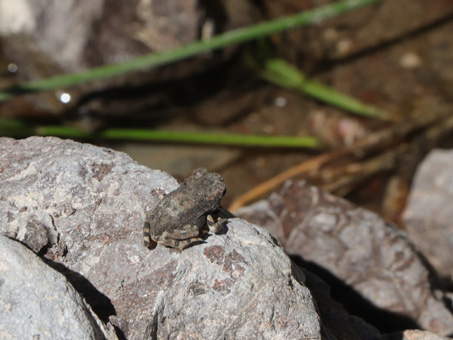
(146, 235)
(183, 232)
(181, 237)
(179, 244)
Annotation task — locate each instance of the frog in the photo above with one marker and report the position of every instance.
(181, 217)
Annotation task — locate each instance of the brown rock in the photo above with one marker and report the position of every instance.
(428, 215)
(371, 266)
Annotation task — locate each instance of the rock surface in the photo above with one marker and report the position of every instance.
(373, 265)
(428, 215)
(83, 207)
(37, 302)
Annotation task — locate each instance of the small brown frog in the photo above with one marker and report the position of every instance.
(179, 217)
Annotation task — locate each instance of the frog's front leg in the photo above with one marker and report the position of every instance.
(215, 225)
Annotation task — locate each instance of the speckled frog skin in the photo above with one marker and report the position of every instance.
(179, 217)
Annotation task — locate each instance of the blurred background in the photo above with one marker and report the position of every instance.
(349, 95)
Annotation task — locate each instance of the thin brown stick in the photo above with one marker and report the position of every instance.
(263, 188)
(339, 170)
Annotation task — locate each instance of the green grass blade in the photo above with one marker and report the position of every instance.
(157, 59)
(20, 129)
(283, 74)
(185, 137)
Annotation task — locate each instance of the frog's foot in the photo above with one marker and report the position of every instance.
(216, 225)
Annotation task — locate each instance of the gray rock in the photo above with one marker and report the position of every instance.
(371, 263)
(88, 207)
(428, 215)
(37, 302)
(234, 287)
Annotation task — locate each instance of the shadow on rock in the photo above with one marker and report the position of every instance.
(100, 303)
(355, 304)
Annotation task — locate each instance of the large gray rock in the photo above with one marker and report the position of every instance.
(84, 208)
(37, 302)
(429, 212)
(234, 287)
(371, 264)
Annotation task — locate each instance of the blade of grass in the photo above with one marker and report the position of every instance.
(166, 57)
(187, 137)
(17, 128)
(280, 72)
